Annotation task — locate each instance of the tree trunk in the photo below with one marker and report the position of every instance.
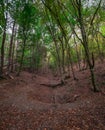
(63, 54)
(57, 51)
(22, 57)
(99, 50)
(85, 45)
(77, 53)
(2, 52)
(10, 50)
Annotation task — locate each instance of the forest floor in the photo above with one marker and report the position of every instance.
(27, 104)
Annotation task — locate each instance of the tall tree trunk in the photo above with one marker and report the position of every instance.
(77, 53)
(91, 66)
(85, 45)
(63, 54)
(10, 50)
(14, 51)
(2, 52)
(70, 60)
(99, 49)
(22, 57)
(12, 58)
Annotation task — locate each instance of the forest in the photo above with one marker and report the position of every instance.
(52, 64)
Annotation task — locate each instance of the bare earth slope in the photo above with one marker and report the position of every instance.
(25, 104)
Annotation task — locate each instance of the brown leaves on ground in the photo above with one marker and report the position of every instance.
(27, 105)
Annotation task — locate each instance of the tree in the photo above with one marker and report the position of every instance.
(4, 17)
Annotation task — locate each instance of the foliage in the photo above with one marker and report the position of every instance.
(52, 25)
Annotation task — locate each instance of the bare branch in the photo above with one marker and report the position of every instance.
(91, 23)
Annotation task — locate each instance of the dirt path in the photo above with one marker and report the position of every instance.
(31, 96)
(25, 104)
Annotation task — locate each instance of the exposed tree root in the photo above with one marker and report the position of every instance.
(71, 99)
(10, 76)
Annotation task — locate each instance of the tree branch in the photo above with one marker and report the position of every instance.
(91, 23)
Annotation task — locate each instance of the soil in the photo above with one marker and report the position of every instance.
(27, 104)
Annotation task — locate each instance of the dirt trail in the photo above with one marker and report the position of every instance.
(26, 104)
(26, 94)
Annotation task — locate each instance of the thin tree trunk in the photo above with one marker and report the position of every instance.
(71, 64)
(99, 50)
(2, 52)
(77, 53)
(22, 57)
(12, 58)
(63, 54)
(10, 50)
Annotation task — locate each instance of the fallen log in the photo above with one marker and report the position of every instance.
(53, 85)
